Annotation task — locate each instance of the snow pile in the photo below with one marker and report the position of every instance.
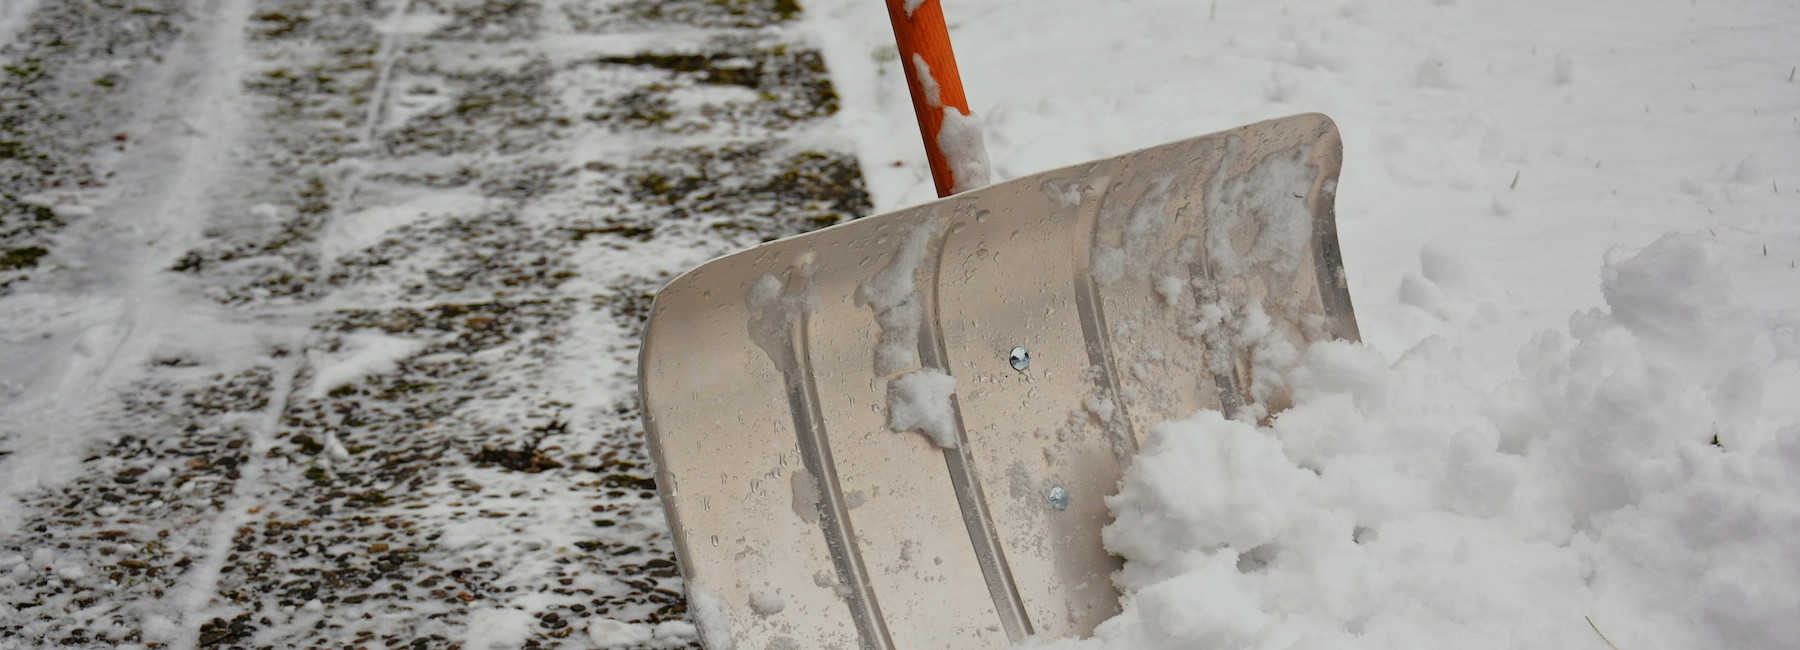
(1464, 478)
(1625, 482)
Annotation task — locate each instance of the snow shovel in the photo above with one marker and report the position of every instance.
(898, 432)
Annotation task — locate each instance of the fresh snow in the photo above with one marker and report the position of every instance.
(495, 629)
(920, 401)
(892, 296)
(928, 84)
(767, 604)
(1569, 230)
(14, 13)
(1571, 239)
(714, 627)
(360, 355)
(318, 320)
(1400, 502)
(608, 633)
(959, 135)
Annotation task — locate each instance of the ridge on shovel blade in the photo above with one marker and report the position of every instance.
(1141, 288)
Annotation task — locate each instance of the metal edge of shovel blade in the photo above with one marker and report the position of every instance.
(1144, 287)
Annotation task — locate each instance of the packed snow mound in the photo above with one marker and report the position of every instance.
(1623, 483)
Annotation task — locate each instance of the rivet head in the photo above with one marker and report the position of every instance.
(1059, 498)
(1020, 359)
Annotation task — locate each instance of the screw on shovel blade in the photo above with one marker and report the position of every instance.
(1020, 359)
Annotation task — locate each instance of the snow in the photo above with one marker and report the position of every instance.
(13, 15)
(920, 401)
(767, 604)
(714, 628)
(1677, 296)
(362, 354)
(608, 633)
(491, 628)
(893, 295)
(934, 94)
(1568, 231)
(675, 630)
(349, 361)
(959, 136)
(1400, 502)
(1258, 197)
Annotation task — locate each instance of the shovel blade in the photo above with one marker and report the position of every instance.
(898, 432)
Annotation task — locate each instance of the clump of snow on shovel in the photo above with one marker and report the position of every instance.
(1261, 198)
(767, 604)
(893, 294)
(920, 401)
(709, 617)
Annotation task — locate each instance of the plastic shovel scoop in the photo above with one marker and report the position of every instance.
(898, 432)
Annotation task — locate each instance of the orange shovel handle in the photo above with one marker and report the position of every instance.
(923, 35)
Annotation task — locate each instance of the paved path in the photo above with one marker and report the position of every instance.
(320, 316)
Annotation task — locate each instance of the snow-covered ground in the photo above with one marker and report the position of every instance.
(317, 318)
(1571, 232)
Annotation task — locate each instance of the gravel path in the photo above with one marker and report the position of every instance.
(321, 316)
